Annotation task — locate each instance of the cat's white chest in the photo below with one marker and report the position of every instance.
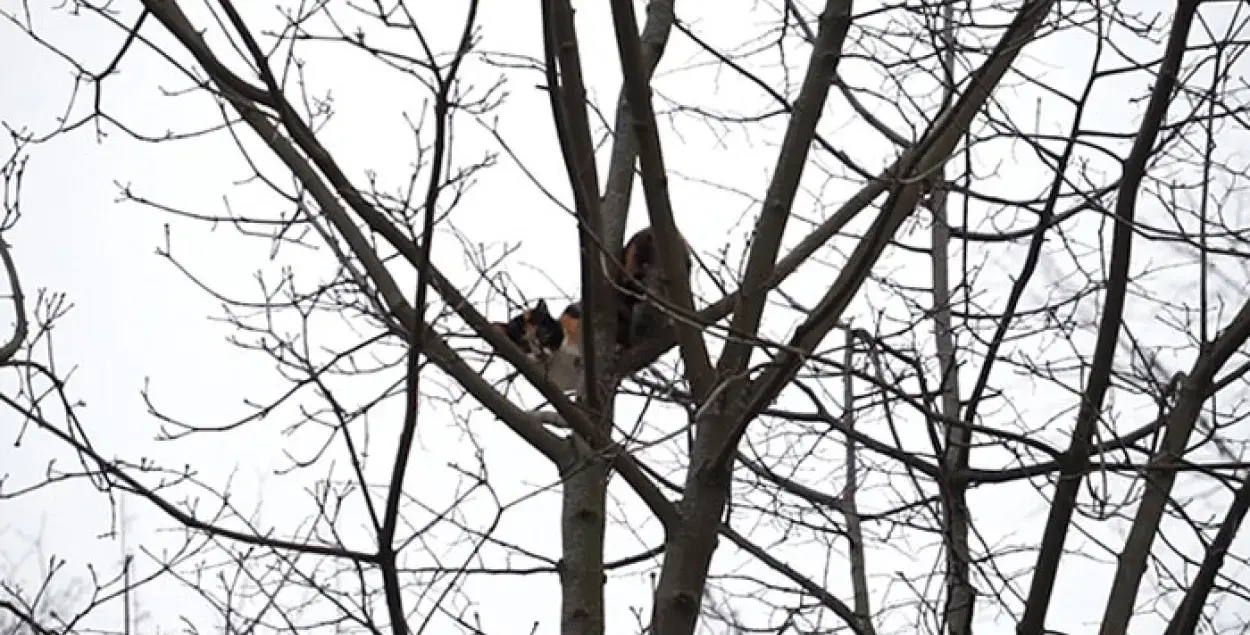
(564, 368)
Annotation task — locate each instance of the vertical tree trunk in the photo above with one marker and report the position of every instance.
(960, 595)
(582, 528)
(854, 529)
(602, 223)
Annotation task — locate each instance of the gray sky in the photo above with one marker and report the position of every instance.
(136, 317)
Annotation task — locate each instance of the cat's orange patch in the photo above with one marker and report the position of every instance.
(631, 260)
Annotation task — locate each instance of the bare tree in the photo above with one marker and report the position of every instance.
(860, 410)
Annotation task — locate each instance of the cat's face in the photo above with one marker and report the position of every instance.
(553, 343)
(539, 334)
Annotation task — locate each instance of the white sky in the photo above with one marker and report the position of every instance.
(137, 318)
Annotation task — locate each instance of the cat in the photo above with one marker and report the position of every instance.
(554, 344)
(637, 315)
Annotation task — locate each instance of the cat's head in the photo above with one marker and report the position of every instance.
(641, 254)
(540, 334)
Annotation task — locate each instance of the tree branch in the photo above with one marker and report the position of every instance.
(1076, 459)
(915, 167)
(655, 188)
(1192, 391)
(835, 22)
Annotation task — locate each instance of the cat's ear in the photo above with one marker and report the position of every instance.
(541, 307)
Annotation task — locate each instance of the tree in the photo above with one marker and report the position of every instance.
(875, 456)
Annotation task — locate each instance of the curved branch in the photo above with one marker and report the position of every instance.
(11, 347)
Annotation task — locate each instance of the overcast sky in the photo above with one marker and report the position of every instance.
(138, 321)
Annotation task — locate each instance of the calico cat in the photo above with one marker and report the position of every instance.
(638, 317)
(554, 344)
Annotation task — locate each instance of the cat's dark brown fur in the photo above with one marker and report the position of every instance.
(643, 275)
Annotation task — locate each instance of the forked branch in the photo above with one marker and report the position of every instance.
(659, 206)
(909, 174)
(1076, 459)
